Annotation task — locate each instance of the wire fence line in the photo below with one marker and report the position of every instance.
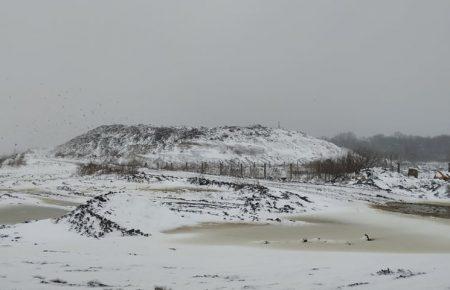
(286, 171)
(325, 170)
(269, 171)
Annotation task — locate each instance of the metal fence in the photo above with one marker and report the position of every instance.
(243, 170)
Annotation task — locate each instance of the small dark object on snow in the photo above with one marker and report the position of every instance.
(357, 284)
(413, 172)
(305, 240)
(58, 281)
(95, 283)
(368, 238)
(266, 242)
(386, 271)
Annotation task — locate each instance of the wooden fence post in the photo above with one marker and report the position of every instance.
(265, 171)
(242, 170)
(290, 171)
(220, 168)
(398, 167)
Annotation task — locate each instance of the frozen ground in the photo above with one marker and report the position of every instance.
(130, 232)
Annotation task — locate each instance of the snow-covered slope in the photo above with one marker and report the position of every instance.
(187, 144)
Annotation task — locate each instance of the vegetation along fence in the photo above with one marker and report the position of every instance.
(330, 169)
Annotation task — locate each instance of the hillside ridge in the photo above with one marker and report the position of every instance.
(178, 144)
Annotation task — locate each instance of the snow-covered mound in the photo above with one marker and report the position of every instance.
(187, 144)
(423, 187)
(185, 199)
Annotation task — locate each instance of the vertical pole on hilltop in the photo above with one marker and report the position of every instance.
(242, 170)
(220, 168)
(290, 171)
(398, 167)
(265, 171)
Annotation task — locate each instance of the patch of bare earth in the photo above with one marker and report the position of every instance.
(421, 209)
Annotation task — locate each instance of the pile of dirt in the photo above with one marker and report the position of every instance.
(87, 221)
(257, 198)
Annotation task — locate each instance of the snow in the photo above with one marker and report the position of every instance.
(424, 187)
(184, 144)
(50, 254)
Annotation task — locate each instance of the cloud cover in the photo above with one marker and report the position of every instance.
(319, 66)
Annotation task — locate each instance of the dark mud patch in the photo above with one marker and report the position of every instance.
(421, 209)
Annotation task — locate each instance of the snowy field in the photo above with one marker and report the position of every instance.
(185, 231)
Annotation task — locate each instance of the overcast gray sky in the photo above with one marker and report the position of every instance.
(323, 67)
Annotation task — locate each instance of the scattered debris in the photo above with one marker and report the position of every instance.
(407, 274)
(369, 239)
(386, 271)
(59, 281)
(96, 283)
(357, 284)
(400, 273)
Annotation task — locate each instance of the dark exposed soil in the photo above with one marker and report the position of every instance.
(88, 222)
(421, 209)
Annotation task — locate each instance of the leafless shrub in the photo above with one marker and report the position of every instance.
(96, 168)
(352, 163)
(14, 160)
(399, 146)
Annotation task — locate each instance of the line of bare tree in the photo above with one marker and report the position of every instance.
(350, 164)
(399, 146)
